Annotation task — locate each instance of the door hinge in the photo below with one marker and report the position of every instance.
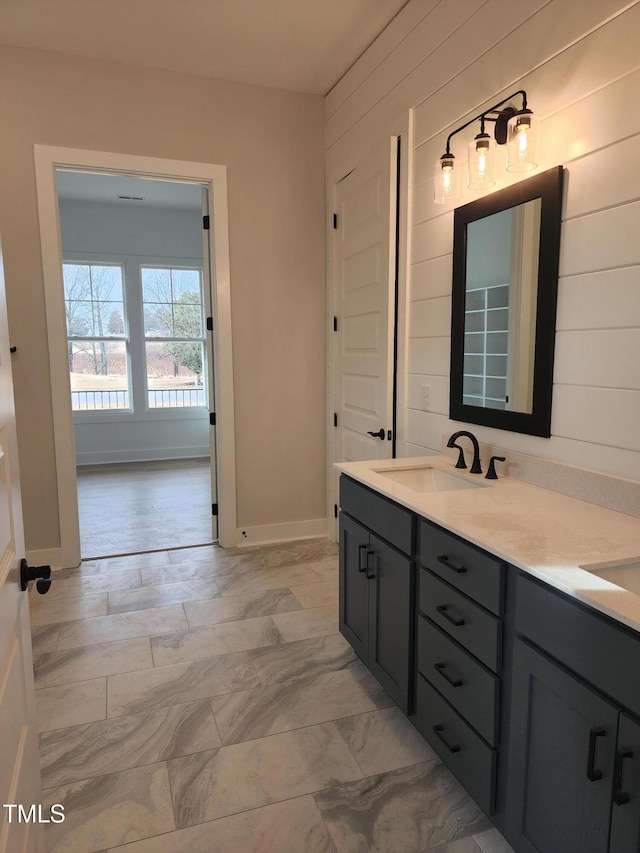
(214, 509)
(335, 419)
(335, 510)
(335, 221)
(335, 323)
(209, 324)
(212, 418)
(206, 222)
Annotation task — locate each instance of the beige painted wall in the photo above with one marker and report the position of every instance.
(272, 143)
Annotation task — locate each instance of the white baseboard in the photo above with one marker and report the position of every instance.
(57, 558)
(267, 533)
(105, 457)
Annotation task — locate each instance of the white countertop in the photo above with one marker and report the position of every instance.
(544, 533)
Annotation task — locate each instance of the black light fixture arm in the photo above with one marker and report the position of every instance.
(486, 115)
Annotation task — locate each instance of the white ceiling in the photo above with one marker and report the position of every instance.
(86, 186)
(303, 45)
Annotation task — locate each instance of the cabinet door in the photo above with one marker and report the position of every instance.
(625, 821)
(390, 633)
(561, 755)
(354, 586)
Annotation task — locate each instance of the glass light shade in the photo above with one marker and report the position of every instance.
(522, 142)
(482, 162)
(446, 184)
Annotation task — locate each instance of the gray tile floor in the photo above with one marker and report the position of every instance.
(202, 701)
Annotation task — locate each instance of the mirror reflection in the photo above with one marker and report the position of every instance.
(501, 288)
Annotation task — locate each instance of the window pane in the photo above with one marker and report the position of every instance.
(94, 300)
(156, 285)
(186, 286)
(158, 320)
(175, 374)
(99, 376)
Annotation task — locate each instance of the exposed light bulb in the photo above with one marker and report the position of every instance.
(481, 162)
(522, 142)
(445, 180)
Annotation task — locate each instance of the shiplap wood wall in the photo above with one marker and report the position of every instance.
(444, 62)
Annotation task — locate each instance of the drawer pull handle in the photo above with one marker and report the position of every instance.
(370, 574)
(362, 564)
(594, 775)
(442, 609)
(440, 668)
(458, 569)
(620, 797)
(451, 747)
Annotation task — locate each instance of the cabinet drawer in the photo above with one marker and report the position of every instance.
(388, 520)
(471, 625)
(478, 574)
(465, 683)
(461, 749)
(601, 651)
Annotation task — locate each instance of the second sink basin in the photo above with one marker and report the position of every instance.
(426, 478)
(626, 575)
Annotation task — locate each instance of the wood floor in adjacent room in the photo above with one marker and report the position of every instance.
(203, 701)
(146, 506)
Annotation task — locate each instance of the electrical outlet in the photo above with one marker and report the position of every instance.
(425, 399)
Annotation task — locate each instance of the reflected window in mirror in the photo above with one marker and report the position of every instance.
(505, 276)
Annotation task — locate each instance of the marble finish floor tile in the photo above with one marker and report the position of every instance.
(245, 776)
(312, 622)
(384, 740)
(73, 583)
(45, 611)
(145, 560)
(188, 555)
(462, 845)
(44, 638)
(247, 578)
(206, 642)
(247, 605)
(81, 752)
(411, 809)
(288, 705)
(155, 575)
(303, 658)
(92, 661)
(121, 626)
(178, 683)
(71, 704)
(292, 826)
(492, 842)
(317, 594)
(111, 810)
(327, 570)
(149, 597)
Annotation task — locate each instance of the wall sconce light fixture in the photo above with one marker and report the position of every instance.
(517, 129)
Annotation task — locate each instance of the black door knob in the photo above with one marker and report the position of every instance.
(40, 574)
(379, 434)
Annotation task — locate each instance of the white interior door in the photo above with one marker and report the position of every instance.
(19, 762)
(208, 287)
(364, 263)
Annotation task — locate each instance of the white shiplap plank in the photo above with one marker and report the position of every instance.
(599, 415)
(430, 318)
(601, 241)
(431, 278)
(600, 300)
(432, 239)
(607, 358)
(404, 23)
(429, 355)
(425, 429)
(604, 178)
(438, 392)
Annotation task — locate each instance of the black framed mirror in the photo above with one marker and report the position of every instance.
(506, 250)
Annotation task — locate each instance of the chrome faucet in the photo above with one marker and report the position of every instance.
(475, 467)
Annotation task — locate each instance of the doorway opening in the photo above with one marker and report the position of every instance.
(135, 258)
(136, 301)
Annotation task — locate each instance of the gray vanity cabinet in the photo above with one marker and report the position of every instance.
(376, 586)
(574, 753)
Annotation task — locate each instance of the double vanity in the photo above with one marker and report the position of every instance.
(504, 619)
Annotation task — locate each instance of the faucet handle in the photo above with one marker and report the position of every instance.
(460, 463)
(491, 470)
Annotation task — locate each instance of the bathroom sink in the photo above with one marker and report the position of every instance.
(626, 575)
(426, 478)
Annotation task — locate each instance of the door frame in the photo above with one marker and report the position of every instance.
(214, 177)
(403, 130)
